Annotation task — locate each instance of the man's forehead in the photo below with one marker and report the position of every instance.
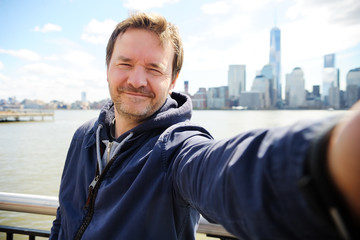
(152, 56)
(163, 42)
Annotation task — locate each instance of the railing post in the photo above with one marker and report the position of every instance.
(9, 236)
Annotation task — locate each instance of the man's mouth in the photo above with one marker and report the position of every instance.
(136, 92)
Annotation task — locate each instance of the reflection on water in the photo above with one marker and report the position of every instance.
(32, 154)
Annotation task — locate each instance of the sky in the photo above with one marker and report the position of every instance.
(55, 50)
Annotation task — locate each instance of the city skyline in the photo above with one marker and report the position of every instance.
(46, 56)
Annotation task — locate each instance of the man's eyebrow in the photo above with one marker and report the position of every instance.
(123, 58)
(151, 64)
(157, 65)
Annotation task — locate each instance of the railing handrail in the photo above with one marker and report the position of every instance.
(48, 205)
(28, 203)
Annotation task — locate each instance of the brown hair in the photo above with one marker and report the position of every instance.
(157, 24)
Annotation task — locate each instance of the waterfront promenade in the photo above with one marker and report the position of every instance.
(25, 115)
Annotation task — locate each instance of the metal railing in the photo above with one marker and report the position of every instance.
(46, 205)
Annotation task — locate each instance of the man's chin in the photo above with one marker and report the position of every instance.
(138, 115)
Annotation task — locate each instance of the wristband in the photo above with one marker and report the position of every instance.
(320, 191)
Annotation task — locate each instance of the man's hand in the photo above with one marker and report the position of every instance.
(344, 158)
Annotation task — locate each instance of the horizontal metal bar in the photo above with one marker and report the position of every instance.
(28, 203)
(24, 231)
(47, 205)
(211, 229)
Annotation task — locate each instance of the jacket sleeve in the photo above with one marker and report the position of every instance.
(249, 183)
(56, 226)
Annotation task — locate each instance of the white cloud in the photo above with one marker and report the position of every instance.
(143, 5)
(235, 25)
(233, 6)
(97, 32)
(3, 77)
(48, 27)
(23, 54)
(247, 6)
(43, 69)
(311, 36)
(341, 12)
(316, 28)
(220, 7)
(1, 66)
(51, 58)
(78, 58)
(63, 79)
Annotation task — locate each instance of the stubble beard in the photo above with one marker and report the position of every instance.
(137, 115)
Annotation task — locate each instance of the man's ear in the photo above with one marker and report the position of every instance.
(173, 83)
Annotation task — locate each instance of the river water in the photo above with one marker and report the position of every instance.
(32, 154)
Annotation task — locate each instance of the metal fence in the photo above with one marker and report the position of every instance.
(46, 205)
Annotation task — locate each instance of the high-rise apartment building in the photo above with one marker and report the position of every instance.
(186, 87)
(83, 97)
(261, 85)
(329, 61)
(275, 60)
(330, 80)
(268, 71)
(236, 81)
(199, 99)
(316, 91)
(295, 88)
(217, 97)
(352, 86)
(334, 97)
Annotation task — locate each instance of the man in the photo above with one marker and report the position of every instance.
(142, 170)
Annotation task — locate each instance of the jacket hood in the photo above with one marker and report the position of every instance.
(177, 108)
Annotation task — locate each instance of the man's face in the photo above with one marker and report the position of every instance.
(139, 74)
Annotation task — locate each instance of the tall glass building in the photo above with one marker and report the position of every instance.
(261, 84)
(268, 72)
(275, 59)
(352, 86)
(295, 88)
(330, 81)
(236, 80)
(329, 60)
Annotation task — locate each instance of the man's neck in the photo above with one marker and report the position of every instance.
(123, 124)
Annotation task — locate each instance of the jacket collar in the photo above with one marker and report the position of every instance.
(177, 108)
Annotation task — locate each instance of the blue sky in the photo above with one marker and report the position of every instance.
(56, 49)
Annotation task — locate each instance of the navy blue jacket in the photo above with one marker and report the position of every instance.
(169, 170)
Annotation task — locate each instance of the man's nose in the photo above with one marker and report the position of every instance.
(137, 77)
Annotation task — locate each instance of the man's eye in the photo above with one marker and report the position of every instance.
(124, 65)
(154, 71)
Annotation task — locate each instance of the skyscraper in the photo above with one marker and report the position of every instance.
(352, 86)
(268, 72)
(295, 88)
(275, 60)
(236, 81)
(329, 61)
(261, 84)
(330, 80)
(186, 87)
(83, 97)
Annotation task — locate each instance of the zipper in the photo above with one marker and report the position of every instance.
(90, 202)
(93, 190)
